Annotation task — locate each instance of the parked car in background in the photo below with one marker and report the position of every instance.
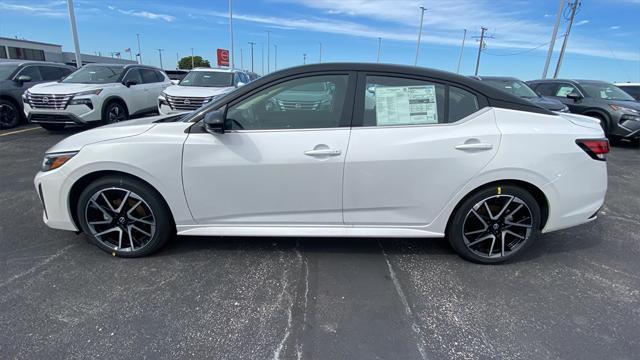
(521, 89)
(252, 75)
(96, 93)
(199, 87)
(176, 75)
(632, 89)
(618, 112)
(435, 154)
(16, 77)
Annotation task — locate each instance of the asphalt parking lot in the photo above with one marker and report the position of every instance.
(575, 295)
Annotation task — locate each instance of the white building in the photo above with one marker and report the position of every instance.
(18, 49)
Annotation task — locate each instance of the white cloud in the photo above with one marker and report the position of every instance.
(582, 22)
(615, 27)
(144, 14)
(51, 9)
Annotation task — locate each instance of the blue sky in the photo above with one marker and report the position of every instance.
(604, 43)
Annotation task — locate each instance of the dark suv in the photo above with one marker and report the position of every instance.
(16, 77)
(618, 112)
(519, 88)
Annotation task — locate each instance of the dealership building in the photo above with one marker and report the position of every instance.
(20, 49)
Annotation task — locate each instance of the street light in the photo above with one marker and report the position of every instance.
(268, 51)
(422, 8)
(192, 62)
(275, 57)
(252, 44)
(304, 59)
(74, 33)
(160, 54)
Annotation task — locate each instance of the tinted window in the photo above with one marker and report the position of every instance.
(7, 70)
(95, 74)
(400, 101)
(133, 74)
(148, 76)
(632, 90)
(289, 105)
(66, 71)
(515, 87)
(50, 73)
(546, 89)
(159, 76)
(605, 91)
(3, 52)
(31, 71)
(565, 89)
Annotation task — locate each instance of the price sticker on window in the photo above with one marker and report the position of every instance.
(406, 105)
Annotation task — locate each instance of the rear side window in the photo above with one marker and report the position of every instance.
(159, 76)
(546, 89)
(148, 76)
(396, 101)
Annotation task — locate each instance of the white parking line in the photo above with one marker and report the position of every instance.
(19, 131)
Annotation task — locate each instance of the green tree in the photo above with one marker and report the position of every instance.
(198, 61)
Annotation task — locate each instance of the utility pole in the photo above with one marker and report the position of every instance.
(74, 33)
(554, 34)
(422, 9)
(139, 51)
(192, 61)
(262, 56)
(177, 59)
(574, 7)
(304, 58)
(320, 57)
(480, 49)
(379, 45)
(160, 54)
(275, 57)
(268, 51)
(464, 37)
(241, 60)
(231, 32)
(252, 44)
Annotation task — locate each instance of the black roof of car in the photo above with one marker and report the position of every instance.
(576, 81)
(30, 62)
(481, 78)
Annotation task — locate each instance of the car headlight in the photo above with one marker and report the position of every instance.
(624, 109)
(209, 99)
(55, 160)
(90, 92)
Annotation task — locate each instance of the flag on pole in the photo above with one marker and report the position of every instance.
(117, 55)
(127, 50)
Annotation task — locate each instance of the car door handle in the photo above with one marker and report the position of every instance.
(323, 152)
(474, 146)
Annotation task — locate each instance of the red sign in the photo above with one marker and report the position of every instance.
(223, 57)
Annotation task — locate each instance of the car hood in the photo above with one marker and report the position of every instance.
(547, 103)
(108, 132)
(196, 91)
(65, 88)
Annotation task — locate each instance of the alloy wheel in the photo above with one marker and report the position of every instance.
(116, 113)
(120, 219)
(8, 115)
(497, 226)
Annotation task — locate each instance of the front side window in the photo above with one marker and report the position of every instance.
(546, 89)
(133, 74)
(208, 79)
(32, 72)
(605, 91)
(565, 89)
(304, 103)
(95, 75)
(50, 73)
(396, 101)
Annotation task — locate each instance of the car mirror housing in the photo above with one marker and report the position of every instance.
(130, 82)
(23, 79)
(214, 121)
(574, 96)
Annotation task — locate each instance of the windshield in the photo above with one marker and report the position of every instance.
(606, 91)
(207, 79)
(95, 75)
(6, 70)
(515, 87)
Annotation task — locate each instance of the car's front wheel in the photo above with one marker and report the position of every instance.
(495, 224)
(115, 112)
(9, 115)
(124, 216)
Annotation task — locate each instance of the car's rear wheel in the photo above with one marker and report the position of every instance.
(115, 112)
(52, 127)
(9, 114)
(495, 224)
(124, 216)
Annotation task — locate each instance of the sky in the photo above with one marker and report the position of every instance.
(604, 42)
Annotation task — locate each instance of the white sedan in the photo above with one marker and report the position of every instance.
(334, 150)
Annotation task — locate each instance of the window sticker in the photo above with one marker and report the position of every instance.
(406, 105)
(564, 91)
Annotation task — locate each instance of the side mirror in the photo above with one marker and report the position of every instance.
(130, 82)
(214, 121)
(240, 83)
(23, 79)
(574, 96)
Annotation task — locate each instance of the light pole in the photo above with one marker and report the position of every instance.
(275, 57)
(262, 56)
(241, 60)
(231, 32)
(268, 50)
(192, 61)
(480, 49)
(160, 54)
(252, 44)
(320, 57)
(74, 33)
(139, 51)
(379, 45)
(422, 8)
(464, 37)
(304, 59)
(552, 44)
(574, 7)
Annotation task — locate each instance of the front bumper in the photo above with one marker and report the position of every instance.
(53, 191)
(73, 114)
(629, 129)
(164, 109)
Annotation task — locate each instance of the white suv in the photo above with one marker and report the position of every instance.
(199, 86)
(95, 93)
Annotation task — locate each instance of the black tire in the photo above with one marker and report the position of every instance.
(498, 195)
(115, 111)
(10, 114)
(53, 127)
(157, 212)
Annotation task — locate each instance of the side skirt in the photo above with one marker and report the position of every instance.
(318, 231)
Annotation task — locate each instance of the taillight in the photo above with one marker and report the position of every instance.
(596, 148)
